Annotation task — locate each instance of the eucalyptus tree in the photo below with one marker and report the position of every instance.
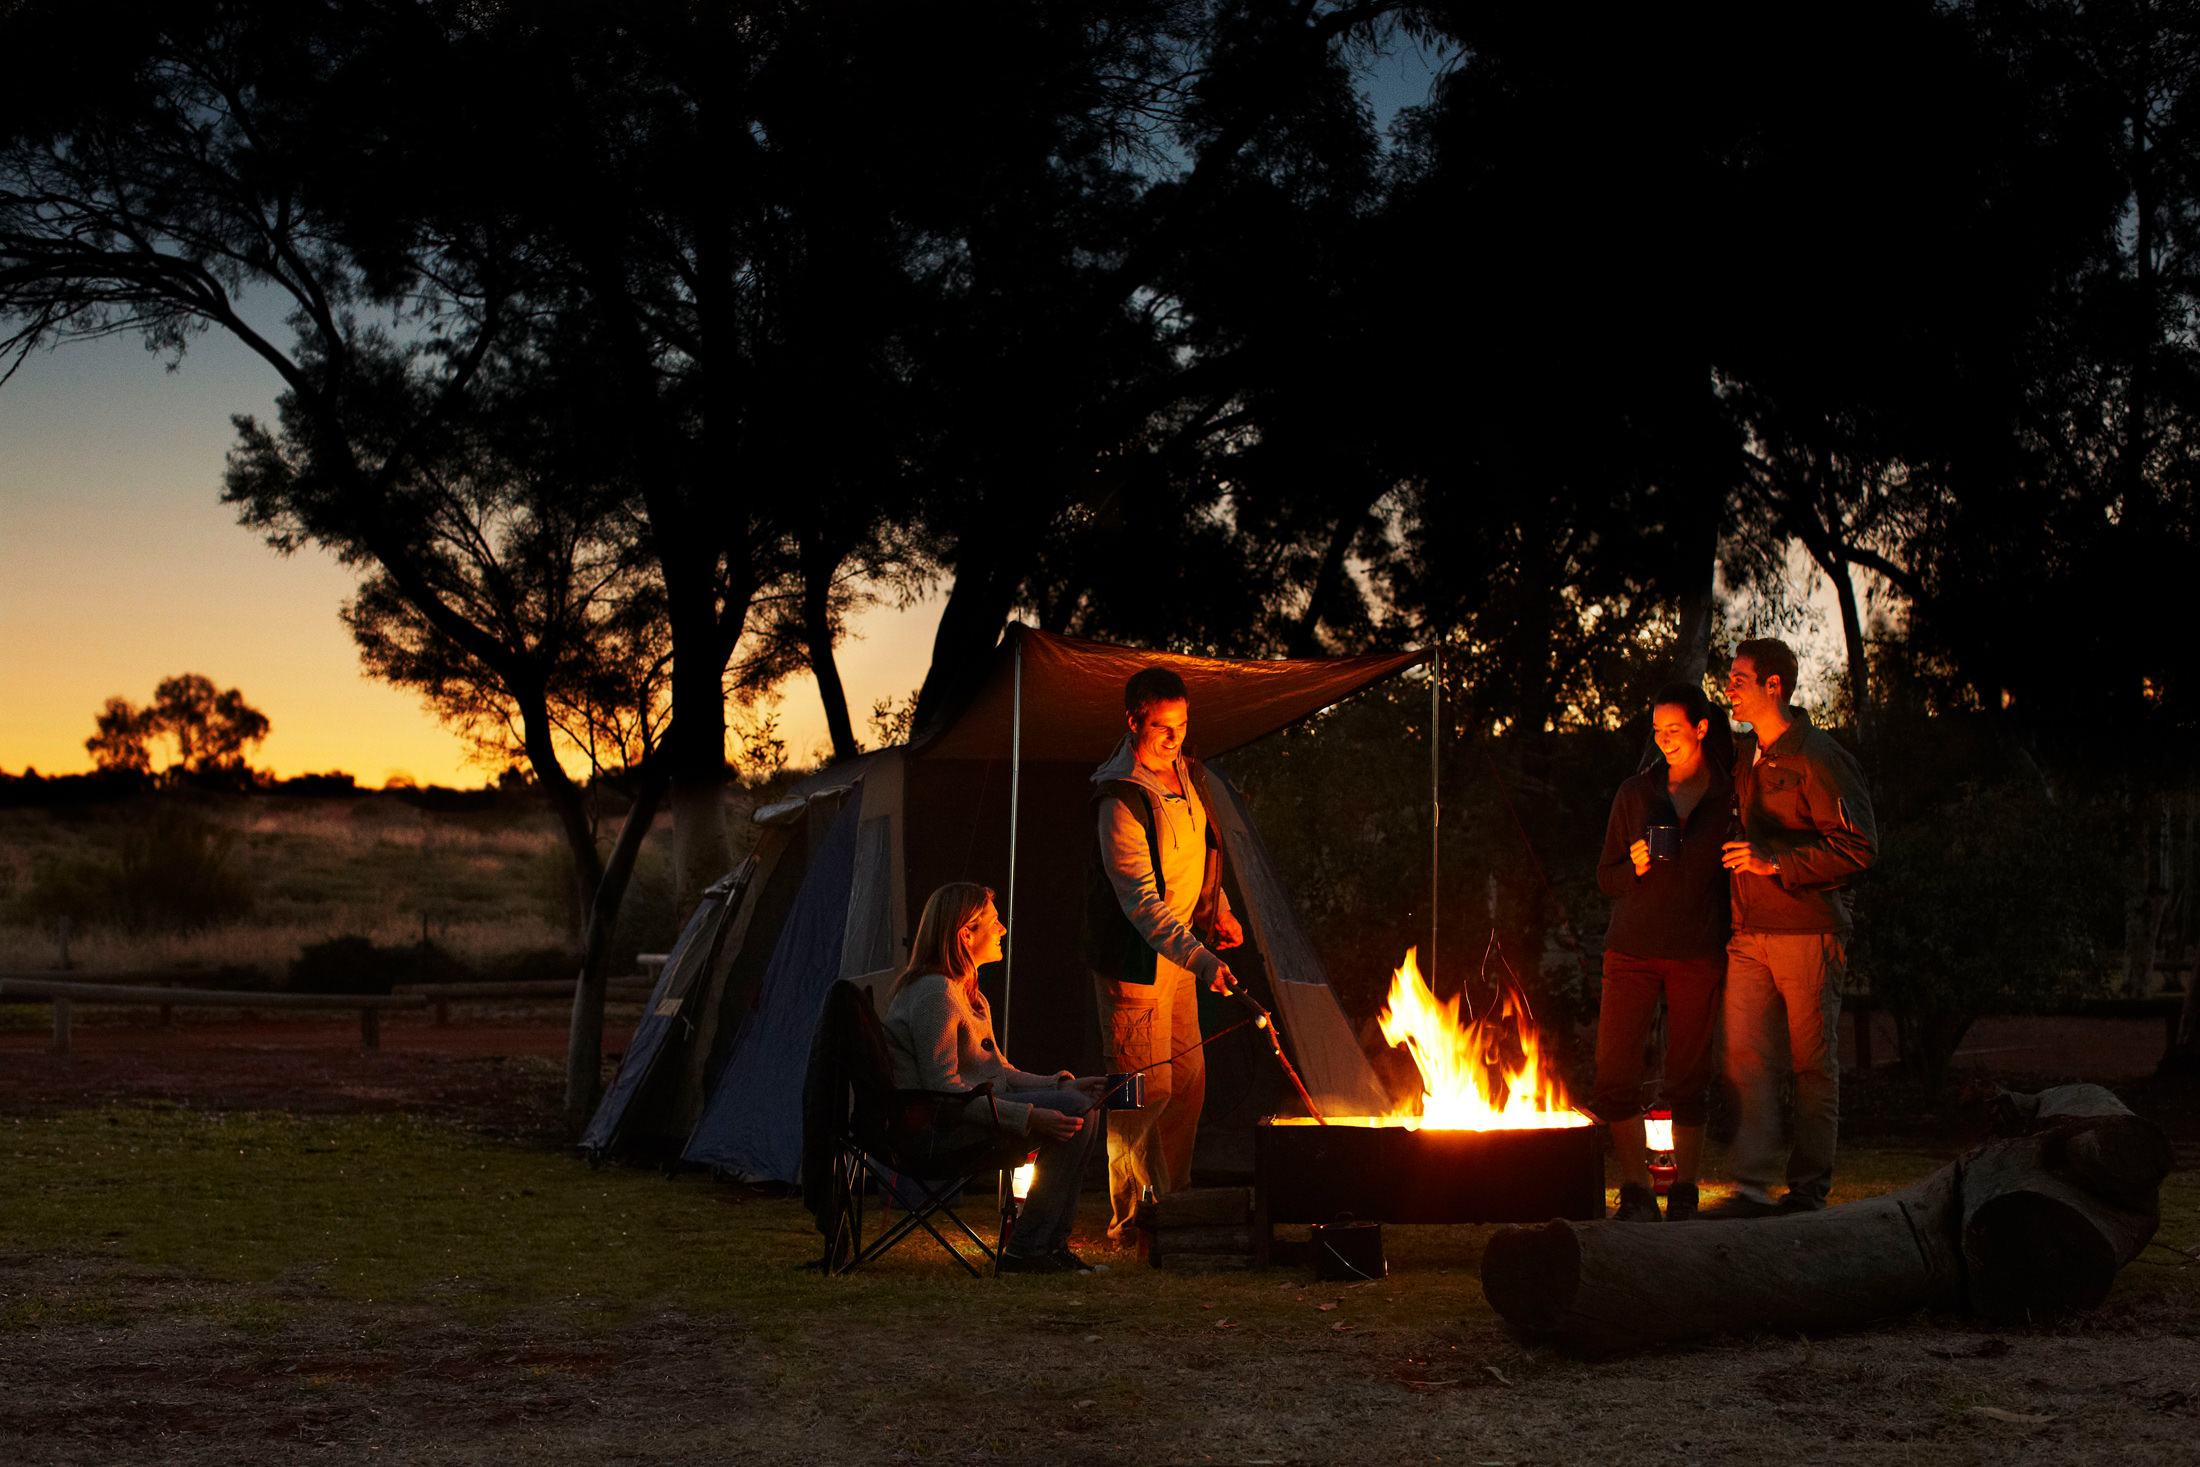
(1080, 469)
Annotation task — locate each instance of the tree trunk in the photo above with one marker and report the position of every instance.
(817, 636)
(584, 1039)
(1328, 581)
(1852, 638)
(962, 649)
(1699, 462)
(2144, 904)
(2184, 1052)
(2028, 1227)
(695, 745)
(568, 802)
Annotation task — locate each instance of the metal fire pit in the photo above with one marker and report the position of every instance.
(1386, 1173)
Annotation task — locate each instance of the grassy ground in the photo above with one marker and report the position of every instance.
(179, 1286)
(238, 1243)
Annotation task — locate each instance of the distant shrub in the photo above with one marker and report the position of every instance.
(81, 890)
(357, 965)
(650, 917)
(533, 965)
(173, 874)
(332, 785)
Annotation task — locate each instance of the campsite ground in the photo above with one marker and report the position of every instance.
(244, 1243)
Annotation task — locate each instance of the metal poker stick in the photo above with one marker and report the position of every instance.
(1266, 1022)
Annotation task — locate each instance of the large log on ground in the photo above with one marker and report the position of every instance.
(1615, 1285)
(2027, 1227)
(2048, 1220)
(2017, 1113)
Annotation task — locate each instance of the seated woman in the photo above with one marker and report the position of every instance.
(941, 1035)
(1667, 938)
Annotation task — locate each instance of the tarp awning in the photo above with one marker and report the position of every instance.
(1073, 697)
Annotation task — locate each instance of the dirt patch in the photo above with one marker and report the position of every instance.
(178, 1384)
(108, 1362)
(504, 1078)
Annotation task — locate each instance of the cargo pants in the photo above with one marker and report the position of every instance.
(1141, 1026)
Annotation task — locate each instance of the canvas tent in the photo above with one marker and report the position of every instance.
(843, 866)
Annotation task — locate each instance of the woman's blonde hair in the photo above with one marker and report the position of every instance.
(938, 947)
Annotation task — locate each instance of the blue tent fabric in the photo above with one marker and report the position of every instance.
(696, 944)
(753, 1124)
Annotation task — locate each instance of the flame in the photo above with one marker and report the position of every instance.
(1488, 1075)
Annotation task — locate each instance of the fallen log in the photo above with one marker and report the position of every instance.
(1613, 1285)
(2051, 1215)
(2025, 1227)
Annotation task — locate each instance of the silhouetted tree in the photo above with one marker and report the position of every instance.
(119, 743)
(212, 729)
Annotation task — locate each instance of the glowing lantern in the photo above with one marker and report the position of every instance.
(1020, 1184)
(1657, 1139)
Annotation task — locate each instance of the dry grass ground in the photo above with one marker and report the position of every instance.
(417, 1273)
(242, 1241)
(482, 883)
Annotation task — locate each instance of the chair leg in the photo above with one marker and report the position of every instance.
(845, 1237)
(930, 1204)
(1009, 1211)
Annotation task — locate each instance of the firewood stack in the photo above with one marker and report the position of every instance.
(2030, 1226)
(1203, 1228)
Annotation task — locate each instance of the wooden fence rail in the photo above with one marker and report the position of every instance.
(443, 995)
(64, 996)
(2166, 1007)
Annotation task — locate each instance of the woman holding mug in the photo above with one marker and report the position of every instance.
(941, 1035)
(1670, 919)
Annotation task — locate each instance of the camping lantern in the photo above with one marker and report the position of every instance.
(1020, 1184)
(1657, 1139)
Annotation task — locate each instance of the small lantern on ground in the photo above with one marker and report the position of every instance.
(1657, 1137)
(1018, 1191)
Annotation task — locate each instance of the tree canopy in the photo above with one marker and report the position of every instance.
(631, 350)
(211, 731)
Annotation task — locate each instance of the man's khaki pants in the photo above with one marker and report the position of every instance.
(1141, 1026)
(1783, 1011)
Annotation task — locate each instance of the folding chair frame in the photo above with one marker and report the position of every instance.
(845, 1249)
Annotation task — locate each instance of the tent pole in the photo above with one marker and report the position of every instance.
(1435, 805)
(1015, 792)
(1004, 1184)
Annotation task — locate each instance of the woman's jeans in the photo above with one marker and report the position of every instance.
(1043, 1224)
(1051, 1210)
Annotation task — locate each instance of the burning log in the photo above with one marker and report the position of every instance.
(2027, 1227)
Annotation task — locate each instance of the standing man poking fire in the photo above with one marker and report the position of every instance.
(1154, 921)
(1806, 831)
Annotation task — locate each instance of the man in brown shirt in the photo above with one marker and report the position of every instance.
(1806, 831)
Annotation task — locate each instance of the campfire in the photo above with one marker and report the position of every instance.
(1492, 1137)
(1488, 1073)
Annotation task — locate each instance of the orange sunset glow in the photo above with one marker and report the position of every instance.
(120, 566)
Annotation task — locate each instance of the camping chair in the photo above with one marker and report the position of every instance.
(859, 1129)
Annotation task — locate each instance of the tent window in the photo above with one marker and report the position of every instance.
(868, 944)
